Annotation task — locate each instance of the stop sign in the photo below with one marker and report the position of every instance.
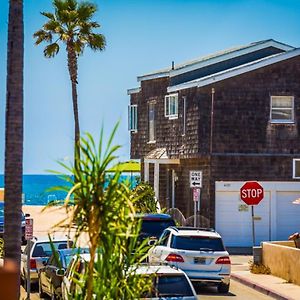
(252, 192)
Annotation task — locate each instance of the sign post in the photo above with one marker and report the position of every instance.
(196, 185)
(252, 193)
(28, 237)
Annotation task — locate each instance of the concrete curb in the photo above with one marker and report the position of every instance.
(259, 287)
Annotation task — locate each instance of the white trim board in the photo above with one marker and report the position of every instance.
(203, 61)
(133, 91)
(235, 71)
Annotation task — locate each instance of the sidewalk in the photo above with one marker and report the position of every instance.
(269, 285)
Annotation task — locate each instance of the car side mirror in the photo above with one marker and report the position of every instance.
(60, 272)
(27, 215)
(152, 242)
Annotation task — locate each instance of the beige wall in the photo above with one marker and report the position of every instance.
(283, 261)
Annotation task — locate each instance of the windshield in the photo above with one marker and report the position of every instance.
(197, 243)
(171, 286)
(44, 249)
(154, 228)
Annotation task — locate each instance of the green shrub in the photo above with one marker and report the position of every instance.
(103, 209)
(144, 198)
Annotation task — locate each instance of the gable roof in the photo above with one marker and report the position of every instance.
(266, 61)
(214, 58)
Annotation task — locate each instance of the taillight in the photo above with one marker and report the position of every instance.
(224, 260)
(32, 264)
(174, 258)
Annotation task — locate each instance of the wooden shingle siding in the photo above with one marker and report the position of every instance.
(245, 145)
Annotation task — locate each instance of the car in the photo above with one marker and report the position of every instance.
(168, 283)
(51, 275)
(2, 223)
(154, 224)
(199, 252)
(39, 252)
(76, 267)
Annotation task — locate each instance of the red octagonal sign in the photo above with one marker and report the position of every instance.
(252, 192)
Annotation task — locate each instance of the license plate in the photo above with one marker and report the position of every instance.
(199, 260)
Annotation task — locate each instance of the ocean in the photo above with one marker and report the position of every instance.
(36, 188)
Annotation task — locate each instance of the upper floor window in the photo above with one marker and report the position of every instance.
(282, 109)
(132, 118)
(171, 106)
(151, 119)
(296, 168)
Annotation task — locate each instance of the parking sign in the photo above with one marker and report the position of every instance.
(28, 228)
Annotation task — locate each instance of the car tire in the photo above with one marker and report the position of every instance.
(223, 287)
(41, 292)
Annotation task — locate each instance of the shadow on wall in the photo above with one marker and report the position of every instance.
(180, 219)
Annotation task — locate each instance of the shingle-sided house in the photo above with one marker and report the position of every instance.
(234, 116)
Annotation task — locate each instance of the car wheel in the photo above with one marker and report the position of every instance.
(41, 292)
(223, 287)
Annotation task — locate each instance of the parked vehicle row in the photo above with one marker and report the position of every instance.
(2, 222)
(178, 257)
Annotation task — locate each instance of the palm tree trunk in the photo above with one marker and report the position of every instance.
(14, 137)
(73, 67)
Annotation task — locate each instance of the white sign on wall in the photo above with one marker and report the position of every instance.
(196, 179)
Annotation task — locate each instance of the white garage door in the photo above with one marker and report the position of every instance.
(233, 219)
(288, 214)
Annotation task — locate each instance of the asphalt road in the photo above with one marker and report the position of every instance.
(237, 291)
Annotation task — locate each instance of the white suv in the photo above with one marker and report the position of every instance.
(199, 252)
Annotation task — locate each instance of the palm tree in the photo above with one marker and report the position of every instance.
(71, 24)
(14, 136)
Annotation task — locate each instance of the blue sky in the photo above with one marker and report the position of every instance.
(142, 36)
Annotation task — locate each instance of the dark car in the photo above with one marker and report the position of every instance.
(153, 225)
(2, 223)
(51, 275)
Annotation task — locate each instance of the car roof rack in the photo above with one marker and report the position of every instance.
(192, 228)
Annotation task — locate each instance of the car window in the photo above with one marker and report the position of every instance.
(197, 243)
(45, 250)
(168, 285)
(155, 227)
(163, 240)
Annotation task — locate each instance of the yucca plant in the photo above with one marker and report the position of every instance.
(103, 208)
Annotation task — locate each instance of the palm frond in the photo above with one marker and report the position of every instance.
(53, 26)
(97, 41)
(51, 50)
(48, 15)
(42, 36)
(86, 10)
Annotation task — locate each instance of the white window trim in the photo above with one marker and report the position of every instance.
(131, 106)
(279, 121)
(151, 141)
(294, 168)
(167, 103)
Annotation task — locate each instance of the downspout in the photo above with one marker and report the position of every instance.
(210, 154)
(211, 120)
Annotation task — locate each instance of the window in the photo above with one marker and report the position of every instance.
(296, 168)
(163, 241)
(282, 109)
(152, 122)
(132, 118)
(171, 106)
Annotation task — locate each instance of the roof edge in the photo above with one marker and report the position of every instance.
(236, 71)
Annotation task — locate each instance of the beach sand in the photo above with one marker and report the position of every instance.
(44, 221)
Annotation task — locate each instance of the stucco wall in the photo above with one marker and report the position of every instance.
(283, 261)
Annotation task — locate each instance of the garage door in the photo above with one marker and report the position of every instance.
(288, 214)
(233, 219)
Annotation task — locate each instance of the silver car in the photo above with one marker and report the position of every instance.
(197, 251)
(39, 252)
